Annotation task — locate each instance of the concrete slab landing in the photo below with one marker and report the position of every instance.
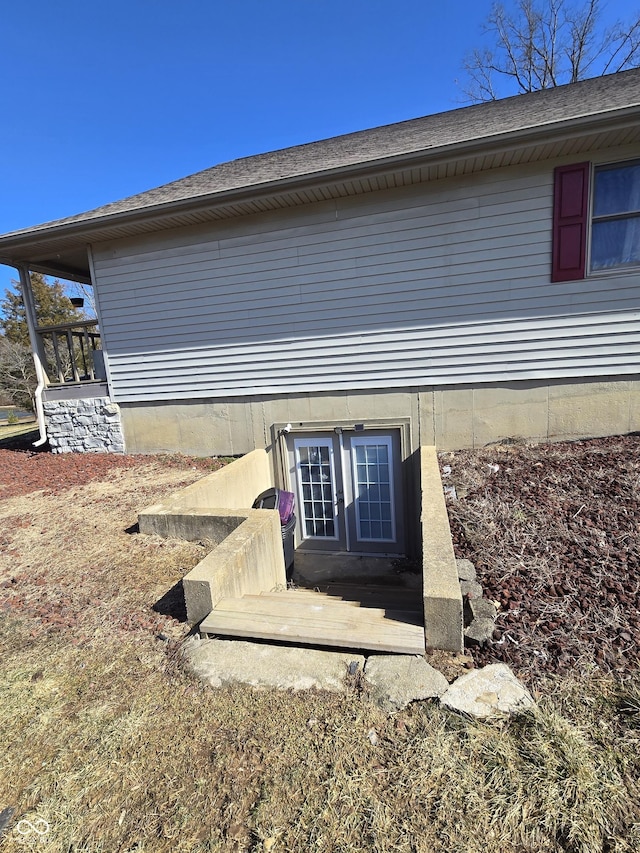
(220, 662)
(311, 569)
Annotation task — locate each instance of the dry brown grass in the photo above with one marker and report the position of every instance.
(72, 562)
(107, 739)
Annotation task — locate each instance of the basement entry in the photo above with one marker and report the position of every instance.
(348, 486)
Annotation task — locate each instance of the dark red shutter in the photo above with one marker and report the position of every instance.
(570, 214)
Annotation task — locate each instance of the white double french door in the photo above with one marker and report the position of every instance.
(349, 491)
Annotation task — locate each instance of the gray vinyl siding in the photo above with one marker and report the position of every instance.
(444, 283)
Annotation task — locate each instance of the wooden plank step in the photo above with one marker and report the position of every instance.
(283, 605)
(346, 627)
(388, 600)
(298, 592)
(300, 595)
(405, 599)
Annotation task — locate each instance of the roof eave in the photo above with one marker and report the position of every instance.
(569, 128)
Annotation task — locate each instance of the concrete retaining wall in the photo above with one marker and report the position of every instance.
(190, 523)
(249, 561)
(441, 588)
(90, 425)
(235, 486)
(248, 557)
(206, 508)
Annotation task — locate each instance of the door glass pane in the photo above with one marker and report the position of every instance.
(316, 481)
(373, 490)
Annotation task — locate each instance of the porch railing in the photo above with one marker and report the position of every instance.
(73, 351)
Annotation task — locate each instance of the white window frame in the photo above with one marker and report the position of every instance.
(363, 441)
(593, 219)
(316, 442)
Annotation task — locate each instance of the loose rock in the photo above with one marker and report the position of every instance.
(397, 680)
(488, 692)
(479, 631)
(479, 619)
(471, 589)
(481, 608)
(466, 570)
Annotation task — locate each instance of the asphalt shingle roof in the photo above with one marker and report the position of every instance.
(442, 130)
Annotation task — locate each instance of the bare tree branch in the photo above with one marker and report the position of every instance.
(547, 43)
(628, 45)
(17, 373)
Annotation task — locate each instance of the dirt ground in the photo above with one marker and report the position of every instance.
(82, 570)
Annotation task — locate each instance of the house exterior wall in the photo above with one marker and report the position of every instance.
(451, 417)
(432, 285)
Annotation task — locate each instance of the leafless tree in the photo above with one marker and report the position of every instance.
(546, 43)
(84, 291)
(17, 373)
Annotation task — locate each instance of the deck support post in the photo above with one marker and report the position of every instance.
(37, 349)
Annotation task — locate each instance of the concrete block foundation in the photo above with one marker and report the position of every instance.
(449, 417)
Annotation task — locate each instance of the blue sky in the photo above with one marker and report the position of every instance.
(103, 100)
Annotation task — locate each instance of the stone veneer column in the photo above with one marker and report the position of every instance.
(84, 426)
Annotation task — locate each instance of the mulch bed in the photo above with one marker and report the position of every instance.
(23, 472)
(26, 471)
(554, 534)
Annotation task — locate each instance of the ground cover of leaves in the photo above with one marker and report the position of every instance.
(554, 532)
(109, 741)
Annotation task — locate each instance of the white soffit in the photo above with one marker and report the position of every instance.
(47, 251)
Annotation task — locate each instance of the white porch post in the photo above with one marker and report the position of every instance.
(36, 348)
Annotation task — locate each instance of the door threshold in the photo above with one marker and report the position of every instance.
(373, 555)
